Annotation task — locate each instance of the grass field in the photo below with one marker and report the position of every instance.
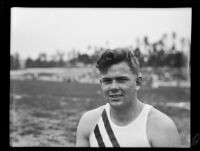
(47, 113)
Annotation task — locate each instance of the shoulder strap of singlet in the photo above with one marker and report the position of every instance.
(146, 111)
(108, 129)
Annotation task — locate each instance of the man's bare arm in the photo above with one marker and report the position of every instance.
(82, 136)
(162, 131)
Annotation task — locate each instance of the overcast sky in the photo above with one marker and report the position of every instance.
(35, 30)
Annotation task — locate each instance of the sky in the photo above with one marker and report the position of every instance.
(36, 30)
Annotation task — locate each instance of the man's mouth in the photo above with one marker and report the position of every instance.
(115, 96)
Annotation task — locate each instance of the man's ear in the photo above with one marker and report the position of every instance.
(139, 81)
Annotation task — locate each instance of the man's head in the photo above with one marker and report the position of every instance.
(119, 77)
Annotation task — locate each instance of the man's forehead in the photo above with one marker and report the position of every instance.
(116, 74)
(120, 67)
(118, 70)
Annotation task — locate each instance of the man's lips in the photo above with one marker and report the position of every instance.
(115, 96)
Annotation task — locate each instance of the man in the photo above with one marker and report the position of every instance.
(124, 121)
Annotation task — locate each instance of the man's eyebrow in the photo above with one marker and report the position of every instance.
(122, 78)
(106, 78)
(119, 77)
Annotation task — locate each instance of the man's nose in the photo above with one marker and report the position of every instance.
(114, 86)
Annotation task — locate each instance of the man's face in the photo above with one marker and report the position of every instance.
(119, 85)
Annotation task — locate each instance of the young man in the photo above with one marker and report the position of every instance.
(124, 121)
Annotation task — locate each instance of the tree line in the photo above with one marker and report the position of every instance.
(157, 59)
(157, 56)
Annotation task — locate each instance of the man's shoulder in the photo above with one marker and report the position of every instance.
(91, 117)
(86, 124)
(88, 120)
(157, 117)
(93, 114)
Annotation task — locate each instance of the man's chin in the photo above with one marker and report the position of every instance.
(115, 102)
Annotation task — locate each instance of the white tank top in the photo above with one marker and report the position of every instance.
(108, 134)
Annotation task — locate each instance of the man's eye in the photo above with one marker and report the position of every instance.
(122, 79)
(106, 81)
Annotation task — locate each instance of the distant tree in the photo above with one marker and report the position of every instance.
(53, 61)
(152, 60)
(161, 58)
(179, 60)
(164, 36)
(43, 59)
(146, 41)
(95, 55)
(155, 48)
(38, 63)
(72, 56)
(170, 60)
(43, 56)
(15, 61)
(138, 54)
(73, 61)
(29, 63)
(60, 55)
(93, 58)
(84, 58)
(173, 47)
(174, 35)
(12, 62)
(89, 47)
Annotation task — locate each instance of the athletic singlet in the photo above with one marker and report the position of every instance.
(108, 134)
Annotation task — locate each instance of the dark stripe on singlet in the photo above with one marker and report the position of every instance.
(109, 130)
(98, 136)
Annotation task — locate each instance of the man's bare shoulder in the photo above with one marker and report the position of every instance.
(161, 129)
(89, 119)
(158, 117)
(92, 115)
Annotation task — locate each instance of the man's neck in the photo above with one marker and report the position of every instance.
(126, 116)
